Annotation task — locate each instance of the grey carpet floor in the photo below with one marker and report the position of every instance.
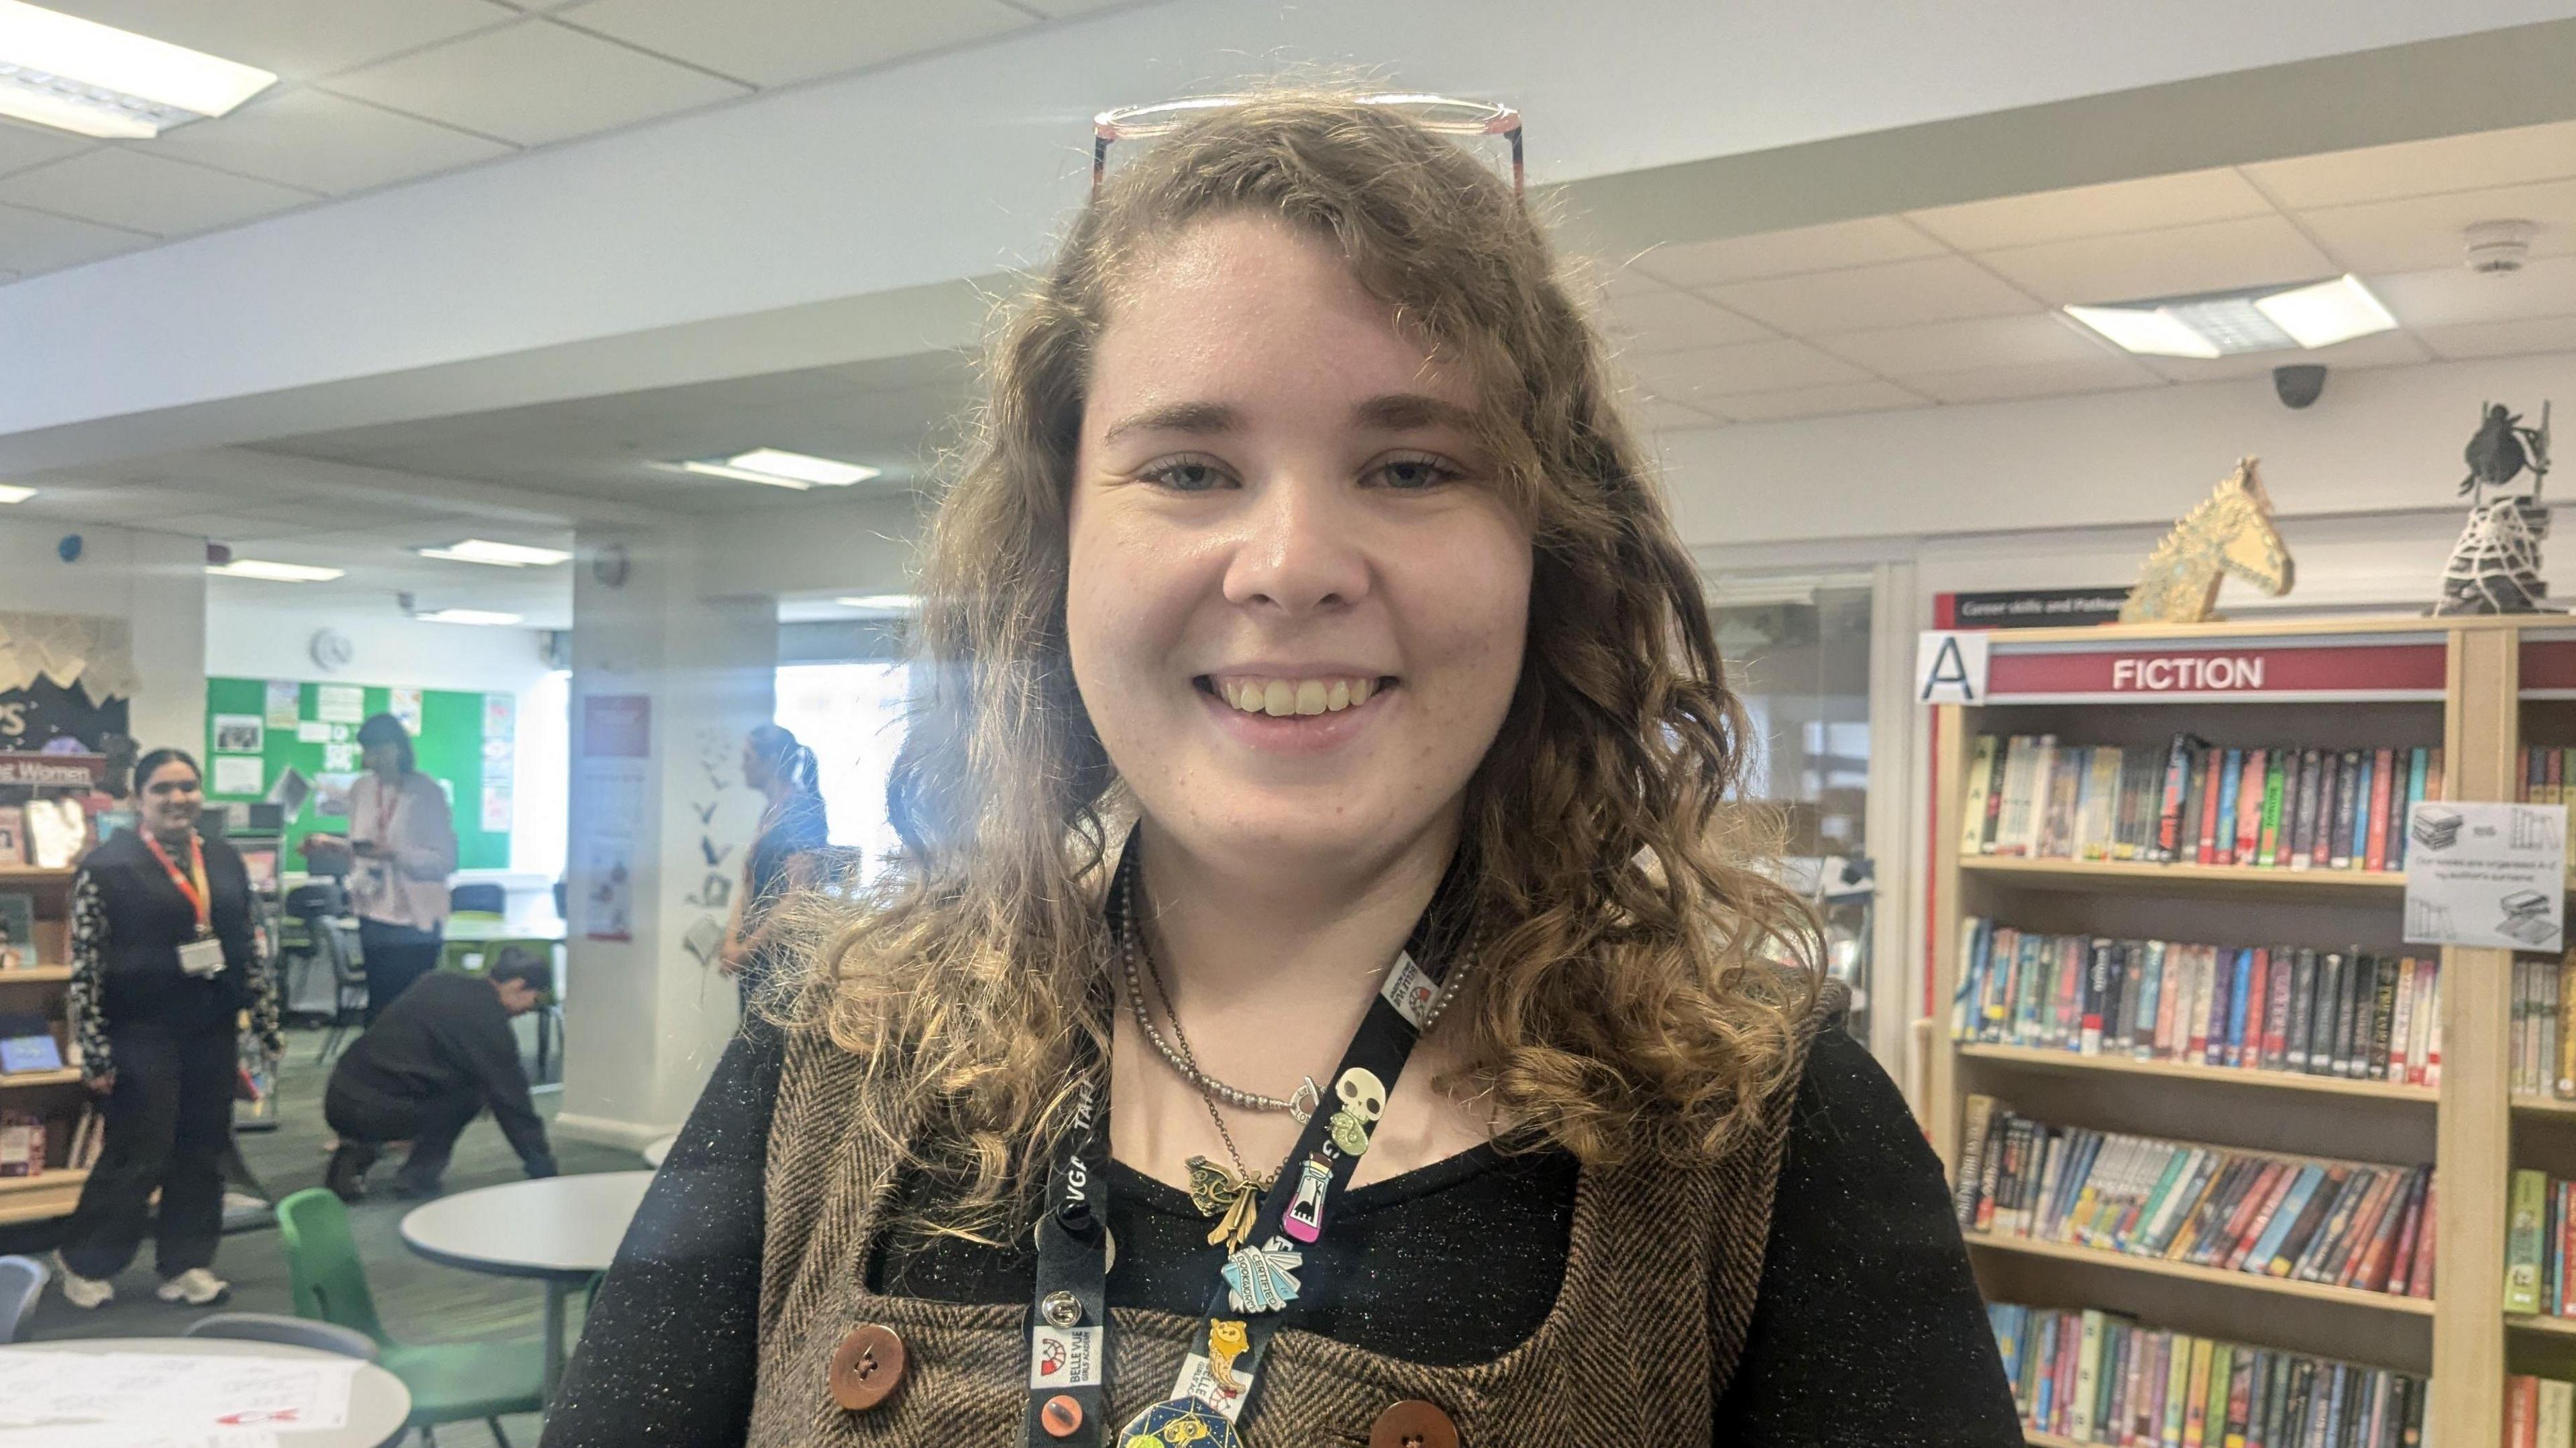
(419, 1300)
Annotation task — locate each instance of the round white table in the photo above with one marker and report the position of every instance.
(562, 1230)
(378, 1402)
(658, 1150)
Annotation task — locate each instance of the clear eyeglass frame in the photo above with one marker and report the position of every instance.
(1443, 114)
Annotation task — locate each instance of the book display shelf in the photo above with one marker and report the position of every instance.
(2185, 1071)
(35, 990)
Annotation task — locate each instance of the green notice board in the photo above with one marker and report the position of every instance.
(467, 742)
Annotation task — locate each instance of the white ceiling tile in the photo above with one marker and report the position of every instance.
(298, 39)
(2208, 257)
(1643, 319)
(2417, 168)
(1784, 253)
(1820, 401)
(1932, 289)
(32, 242)
(2105, 210)
(1067, 9)
(2504, 339)
(326, 143)
(534, 82)
(2037, 379)
(25, 146)
(2453, 296)
(779, 42)
(1977, 343)
(2423, 232)
(1658, 415)
(143, 192)
(1697, 376)
(2386, 349)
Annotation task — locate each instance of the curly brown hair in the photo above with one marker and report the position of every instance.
(1631, 998)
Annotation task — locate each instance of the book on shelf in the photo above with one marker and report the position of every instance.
(2280, 1008)
(13, 836)
(2539, 1412)
(2337, 1224)
(2194, 802)
(22, 1144)
(2540, 1044)
(2095, 1376)
(2540, 1245)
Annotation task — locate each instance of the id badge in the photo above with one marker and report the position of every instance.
(202, 957)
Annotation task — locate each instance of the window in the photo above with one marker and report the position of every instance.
(851, 715)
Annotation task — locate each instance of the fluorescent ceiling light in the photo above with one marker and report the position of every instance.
(96, 80)
(500, 555)
(2327, 313)
(12, 493)
(466, 615)
(782, 469)
(2251, 319)
(881, 602)
(263, 569)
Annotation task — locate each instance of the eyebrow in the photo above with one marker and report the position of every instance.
(1388, 412)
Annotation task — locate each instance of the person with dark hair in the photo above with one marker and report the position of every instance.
(429, 1065)
(399, 851)
(792, 830)
(163, 965)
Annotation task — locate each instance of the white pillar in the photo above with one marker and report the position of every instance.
(665, 683)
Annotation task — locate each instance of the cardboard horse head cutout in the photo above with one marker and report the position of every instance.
(2230, 532)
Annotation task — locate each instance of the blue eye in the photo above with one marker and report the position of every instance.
(1185, 475)
(1415, 474)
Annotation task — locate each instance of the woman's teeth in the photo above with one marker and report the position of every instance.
(1282, 697)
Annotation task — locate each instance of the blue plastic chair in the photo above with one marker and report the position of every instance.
(289, 1331)
(21, 1280)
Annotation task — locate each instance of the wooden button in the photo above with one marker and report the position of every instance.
(1413, 1423)
(867, 1367)
(1061, 1416)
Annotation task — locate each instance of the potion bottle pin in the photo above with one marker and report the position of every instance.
(1305, 1217)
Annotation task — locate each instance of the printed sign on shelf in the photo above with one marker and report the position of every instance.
(2037, 607)
(1950, 666)
(2486, 874)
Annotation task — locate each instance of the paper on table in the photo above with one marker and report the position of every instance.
(176, 1394)
(240, 774)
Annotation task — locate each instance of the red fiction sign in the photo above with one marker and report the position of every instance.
(2549, 668)
(2328, 670)
(74, 770)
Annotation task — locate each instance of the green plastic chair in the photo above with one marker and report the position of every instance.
(449, 1382)
(455, 953)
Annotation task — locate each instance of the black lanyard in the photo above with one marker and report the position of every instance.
(1069, 1313)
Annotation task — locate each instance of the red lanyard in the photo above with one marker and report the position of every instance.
(388, 800)
(192, 884)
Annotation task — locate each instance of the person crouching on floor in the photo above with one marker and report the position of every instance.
(437, 1056)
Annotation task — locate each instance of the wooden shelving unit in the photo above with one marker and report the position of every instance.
(2455, 683)
(55, 1095)
(2037, 1058)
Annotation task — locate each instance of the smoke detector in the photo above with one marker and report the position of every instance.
(2498, 246)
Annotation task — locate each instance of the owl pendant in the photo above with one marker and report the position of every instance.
(1232, 1199)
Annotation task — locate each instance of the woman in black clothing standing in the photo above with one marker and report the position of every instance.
(792, 829)
(163, 964)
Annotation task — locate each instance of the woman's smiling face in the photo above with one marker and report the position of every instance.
(1297, 600)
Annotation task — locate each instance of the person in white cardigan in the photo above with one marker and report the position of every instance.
(400, 850)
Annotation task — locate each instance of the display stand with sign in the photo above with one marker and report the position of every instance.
(2479, 689)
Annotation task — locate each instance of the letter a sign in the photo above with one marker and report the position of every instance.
(1950, 668)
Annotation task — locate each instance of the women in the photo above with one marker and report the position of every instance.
(402, 847)
(1322, 776)
(792, 828)
(162, 967)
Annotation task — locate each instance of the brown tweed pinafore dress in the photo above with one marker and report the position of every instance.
(1647, 1327)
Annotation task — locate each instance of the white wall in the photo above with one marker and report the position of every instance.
(155, 581)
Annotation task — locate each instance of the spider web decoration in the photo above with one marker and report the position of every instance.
(2495, 567)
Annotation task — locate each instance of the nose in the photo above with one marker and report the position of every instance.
(1300, 551)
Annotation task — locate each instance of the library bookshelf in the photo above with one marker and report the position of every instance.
(2476, 689)
(56, 1097)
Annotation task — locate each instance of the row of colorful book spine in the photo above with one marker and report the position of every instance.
(2258, 1008)
(2539, 1412)
(2547, 775)
(2540, 1237)
(2542, 1043)
(2099, 1377)
(2338, 1224)
(2194, 802)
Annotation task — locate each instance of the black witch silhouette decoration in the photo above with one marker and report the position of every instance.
(2495, 567)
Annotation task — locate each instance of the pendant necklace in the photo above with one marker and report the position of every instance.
(1233, 1198)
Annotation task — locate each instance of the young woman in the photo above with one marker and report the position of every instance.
(792, 828)
(400, 849)
(162, 966)
(1324, 779)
